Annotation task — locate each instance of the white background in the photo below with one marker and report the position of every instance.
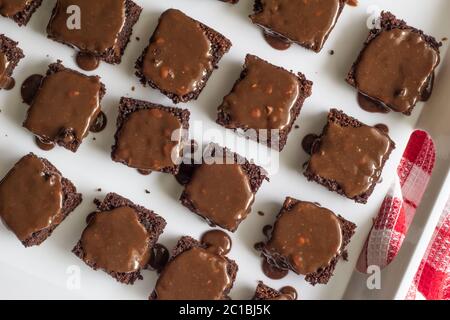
(41, 272)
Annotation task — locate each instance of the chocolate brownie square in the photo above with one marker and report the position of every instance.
(65, 106)
(35, 198)
(150, 137)
(349, 156)
(119, 238)
(181, 56)
(307, 23)
(10, 55)
(308, 240)
(396, 67)
(195, 273)
(19, 10)
(264, 102)
(104, 30)
(222, 188)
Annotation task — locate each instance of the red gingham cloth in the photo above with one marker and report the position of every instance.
(396, 213)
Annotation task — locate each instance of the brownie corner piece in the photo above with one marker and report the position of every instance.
(222, 188)
(118, 220)
(104, 36)
(20, 11)
(264, 292)
(79, 94)
(35, 198)
(214, 268)
(392, 49)
(264, 102)
(306, 23)
(146, 133)
(349, 157)
(297, 243)
(180, 66)
(10, 56)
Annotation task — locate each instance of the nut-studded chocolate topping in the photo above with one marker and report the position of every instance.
(30, 198)
(116, 241)
(308, 235)
(196, 274)
(179, 55)
(263, 99)
(395, 68)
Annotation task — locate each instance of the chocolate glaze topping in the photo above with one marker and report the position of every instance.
(309, 235)
(196, 274)
(277, 42)
(217, 242)
(351, 156)
(159, 257)
(395, 68)
(101, 23)
(179, 55)
(30, 198)
(264, 98)
(221, 193)
(145, 139)
(67, 103)
(6, 82)
(10, 8)
(30, 87)
(272, 272)
(307, 22)
(116, 241)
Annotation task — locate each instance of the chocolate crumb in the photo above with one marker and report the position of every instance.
(261, 213)
(147, 191)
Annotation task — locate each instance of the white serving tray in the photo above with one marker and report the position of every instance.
(47, 271)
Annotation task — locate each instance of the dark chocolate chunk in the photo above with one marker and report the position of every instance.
(396, 65)
(264, 102)
(194, 273)
(150, 137)
(105, 27)
(119, 238)
(35, 198)
(298, 243)
(349, 157)
(307, 23)
(223, 190)
(65, 107)
(20, 11)
(181, 56)
(217, 241)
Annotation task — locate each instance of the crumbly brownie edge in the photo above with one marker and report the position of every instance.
(255, 174)
(71, 200)
(258, 7)
(264, 292)
(152, 222)
(321, 276)
(55, 68)
(12, 51)
(344, 120)
(388, 21)
(305, 91)
(128, 105)
(23, 17)
(219, 46)
(114, 54)
(186, 243)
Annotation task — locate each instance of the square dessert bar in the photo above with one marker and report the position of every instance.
(105, 26)
(181, 56)
(195, 273)
(150, 137)
(19, 10)
(10, 55)
(119, 238)
(65, 107)
(307, 23)
(349, 156)
(35, 198)
(396, 67)
(308, 240)
(264, 292)
(266, 100)
(222, 189)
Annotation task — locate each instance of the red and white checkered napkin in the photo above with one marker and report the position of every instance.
(395, 216)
